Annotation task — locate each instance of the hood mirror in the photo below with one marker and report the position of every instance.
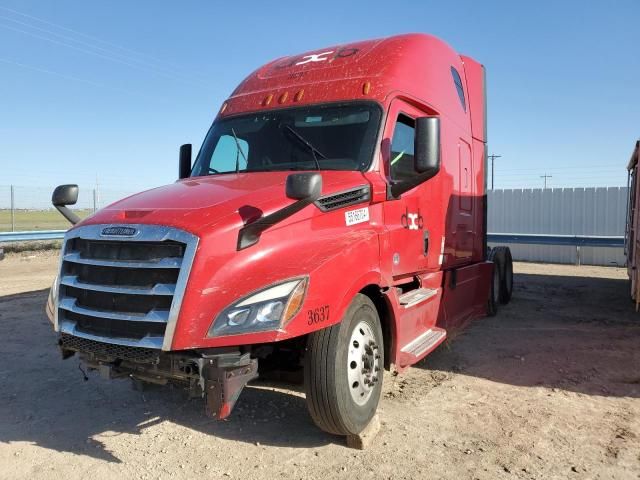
(305, 188)
(303, 185)
(65, 195)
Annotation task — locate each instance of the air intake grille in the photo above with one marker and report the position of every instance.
(344, 198)
(121, 290)
(136, 354)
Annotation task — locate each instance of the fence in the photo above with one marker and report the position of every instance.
(554, 211)
(561, 211)
(29, 208)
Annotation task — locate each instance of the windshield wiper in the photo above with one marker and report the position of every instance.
(239, 151)
(309, 145)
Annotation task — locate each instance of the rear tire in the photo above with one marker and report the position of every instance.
(343, 370)
(496, 284)
(503, 256)
(506, 288)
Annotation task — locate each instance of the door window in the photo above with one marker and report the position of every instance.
(401, 159)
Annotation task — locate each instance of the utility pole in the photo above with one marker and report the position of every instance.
(13, 209)
(493, 157)
(545, 176)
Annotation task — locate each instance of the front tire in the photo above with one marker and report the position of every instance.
(343, 370)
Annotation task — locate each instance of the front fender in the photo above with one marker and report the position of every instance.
(333, 285)
(338, 264)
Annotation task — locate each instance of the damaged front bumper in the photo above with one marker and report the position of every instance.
(217, 375)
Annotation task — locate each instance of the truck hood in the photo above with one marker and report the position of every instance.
(199, 203)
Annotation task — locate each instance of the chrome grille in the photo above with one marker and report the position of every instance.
(123, 290)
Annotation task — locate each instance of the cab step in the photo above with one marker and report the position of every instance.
(425, 342)
(414, 297)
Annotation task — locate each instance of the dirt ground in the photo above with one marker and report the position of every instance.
(550, 388)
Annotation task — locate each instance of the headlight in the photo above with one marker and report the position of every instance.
(268, 309)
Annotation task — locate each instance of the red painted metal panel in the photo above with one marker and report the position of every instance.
(407, 73)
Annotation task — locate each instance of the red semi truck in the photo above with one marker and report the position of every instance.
(333, 222)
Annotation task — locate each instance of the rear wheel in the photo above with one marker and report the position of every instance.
(496, 282)
(503, 255)
(343, 370)
(506, 289)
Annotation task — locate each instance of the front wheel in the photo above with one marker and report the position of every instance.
(343, 370)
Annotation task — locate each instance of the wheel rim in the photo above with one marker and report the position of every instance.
(363, 363)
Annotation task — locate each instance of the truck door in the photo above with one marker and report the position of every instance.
(411, 242)
(465, 225)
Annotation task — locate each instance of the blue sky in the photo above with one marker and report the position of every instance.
(109, 90)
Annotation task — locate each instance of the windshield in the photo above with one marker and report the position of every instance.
(318, 137)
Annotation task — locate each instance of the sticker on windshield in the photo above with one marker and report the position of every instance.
(356, 216)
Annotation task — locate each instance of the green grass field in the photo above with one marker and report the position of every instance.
(37, 219)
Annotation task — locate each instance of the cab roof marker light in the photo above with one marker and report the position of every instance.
(267, 100)
(283, 97)
(366, 88)
(299, 95)
(224, 107)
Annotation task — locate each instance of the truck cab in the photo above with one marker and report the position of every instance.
(332, 222)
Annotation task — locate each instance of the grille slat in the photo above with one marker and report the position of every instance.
(345, 198)
(153, 316)
(124, 291)
(158, 289)
(170, 262)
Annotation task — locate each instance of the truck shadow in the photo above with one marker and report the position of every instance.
(45, 400)
(576, 334)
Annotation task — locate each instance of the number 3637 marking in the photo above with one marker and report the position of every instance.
(317, 315)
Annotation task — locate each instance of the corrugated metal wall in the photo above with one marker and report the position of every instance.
(561, 211)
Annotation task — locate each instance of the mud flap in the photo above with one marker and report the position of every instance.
(224, 378)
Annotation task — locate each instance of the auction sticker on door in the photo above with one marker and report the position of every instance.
(356, 216)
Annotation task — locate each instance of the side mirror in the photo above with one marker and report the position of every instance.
(302, 186)
(426, 155)
(427, 145)
(65, 195)
(184, 163)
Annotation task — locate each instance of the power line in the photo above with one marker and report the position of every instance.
(77, 79)
(91, 37)
(101, 55)
(92, 46)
